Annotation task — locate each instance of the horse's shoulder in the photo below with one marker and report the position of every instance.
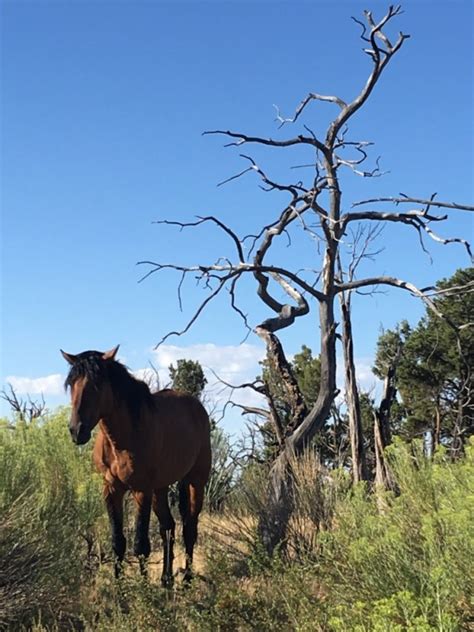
(101, 450)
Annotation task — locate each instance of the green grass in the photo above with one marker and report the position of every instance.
(349, 564)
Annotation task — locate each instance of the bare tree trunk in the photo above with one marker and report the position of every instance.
(280, 365)
(273, 523)
(318, 415)
(464, 421)
(382, 432)
(359, 463)
(437, 429)
(339, 444)
(383, 476)
(430, 447)
(457, 446)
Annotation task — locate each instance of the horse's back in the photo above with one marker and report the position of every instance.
(183, 409)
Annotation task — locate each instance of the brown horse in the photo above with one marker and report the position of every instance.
(146, 441)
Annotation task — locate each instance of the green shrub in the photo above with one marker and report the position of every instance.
(410, 566)
(352, 563)
(50, 503)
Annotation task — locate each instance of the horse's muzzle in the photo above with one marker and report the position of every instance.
(80, 434)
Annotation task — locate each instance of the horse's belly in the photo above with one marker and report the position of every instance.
(172, 468)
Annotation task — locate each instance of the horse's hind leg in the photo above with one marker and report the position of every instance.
(167, 524)
(191, 496)
(142, 541)
(113, 496)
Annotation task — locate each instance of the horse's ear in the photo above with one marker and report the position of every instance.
(110, 355)
(69, 357)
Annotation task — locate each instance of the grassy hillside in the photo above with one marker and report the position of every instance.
(352, 561)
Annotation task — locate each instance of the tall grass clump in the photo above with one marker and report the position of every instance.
(409, 565)
(51, 508)
(315, 490)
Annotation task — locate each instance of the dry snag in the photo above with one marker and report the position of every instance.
(314, 208)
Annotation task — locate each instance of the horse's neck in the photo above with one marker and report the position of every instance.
(118, 429)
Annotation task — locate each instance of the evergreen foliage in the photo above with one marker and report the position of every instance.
(188, 376)
(435, 376)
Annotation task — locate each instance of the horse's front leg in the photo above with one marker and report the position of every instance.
(167, 526)
(142, 541)
(113, 496)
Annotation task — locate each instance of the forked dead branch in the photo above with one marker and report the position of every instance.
(314, 206)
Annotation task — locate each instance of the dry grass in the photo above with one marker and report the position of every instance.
(222, 531)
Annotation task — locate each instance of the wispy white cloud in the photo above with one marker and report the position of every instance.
(228, 361)
(366, 380)
(48, 385)
(234, 364)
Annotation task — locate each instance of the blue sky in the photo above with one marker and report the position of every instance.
(103, 109)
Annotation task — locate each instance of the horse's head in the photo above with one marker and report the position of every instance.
(90, 391)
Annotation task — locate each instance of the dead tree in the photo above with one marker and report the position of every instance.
(382, 431)
(25, 409)
(315, 207)
(360, 242)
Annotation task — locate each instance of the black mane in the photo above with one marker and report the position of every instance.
(91, 365)
(88, 364)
